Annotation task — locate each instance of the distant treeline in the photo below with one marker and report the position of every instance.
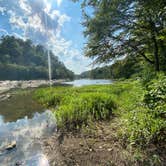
(22, 60)
(124, 68)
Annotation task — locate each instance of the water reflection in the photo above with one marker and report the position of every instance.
(26, 135)
(1, 120)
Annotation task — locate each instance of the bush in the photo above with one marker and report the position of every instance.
(145, 123)
(147, 75)
(155, 96)
(142, 127)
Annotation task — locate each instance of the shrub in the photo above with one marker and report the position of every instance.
(143, 127)
(146, 122)
(155, 96)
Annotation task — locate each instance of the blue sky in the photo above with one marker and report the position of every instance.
(53, 23)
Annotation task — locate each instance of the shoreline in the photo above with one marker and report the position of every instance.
(23, 84)
(7, 85)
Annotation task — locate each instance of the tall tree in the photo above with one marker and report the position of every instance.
(126, 28)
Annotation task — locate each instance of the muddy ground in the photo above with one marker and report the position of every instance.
(100, 146)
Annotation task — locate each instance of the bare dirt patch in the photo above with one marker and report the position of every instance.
(100, 146)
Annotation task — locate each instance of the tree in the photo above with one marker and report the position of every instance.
(21, 60)
(126, 28)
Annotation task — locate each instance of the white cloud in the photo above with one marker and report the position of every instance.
(24, 6)
(42, 24)
(34, 16)
(59, 2)
(17, 21)
(75, 60)
(3, 32)
(2, 10)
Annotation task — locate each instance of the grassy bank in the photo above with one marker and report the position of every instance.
(137, 112)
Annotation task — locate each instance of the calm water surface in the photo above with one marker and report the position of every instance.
(82, 82)
(19, 105)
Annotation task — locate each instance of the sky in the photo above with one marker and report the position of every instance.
(56, 24)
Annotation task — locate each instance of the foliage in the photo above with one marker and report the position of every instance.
(77, 106)
(145, 122)
(146, 76)
(97, 73)
(155, 96)
(123, 27)
(51, 97)
(124, 68)
(21, 60)
(143, 127)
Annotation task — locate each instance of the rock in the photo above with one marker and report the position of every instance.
(81, 144)
(19, 163)
(110, 149)
(8, 148)
(4, 97)
(11, 146)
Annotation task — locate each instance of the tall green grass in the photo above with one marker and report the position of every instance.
(80, 109)
(75, 107)
(128, 100)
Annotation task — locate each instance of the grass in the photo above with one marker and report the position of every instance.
(75, 107)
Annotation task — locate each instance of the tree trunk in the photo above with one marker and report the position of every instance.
(156, 53)
(156, 49)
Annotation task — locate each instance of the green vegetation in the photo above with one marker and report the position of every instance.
(21, 60)
(77, 106)
(124, 68)
(129, 101)
(132, 32)
(118, 28)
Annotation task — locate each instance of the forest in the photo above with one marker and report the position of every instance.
(121, 69)
(22, 60)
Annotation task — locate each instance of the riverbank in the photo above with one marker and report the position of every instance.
(104, 125)
(8, 85)
(97, 124)
(102, 146)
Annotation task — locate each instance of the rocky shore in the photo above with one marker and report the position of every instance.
(7, 85)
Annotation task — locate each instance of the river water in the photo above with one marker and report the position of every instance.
(84, 82)
(23, 125)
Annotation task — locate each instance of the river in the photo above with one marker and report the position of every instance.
(23, 124)
(84, 82)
